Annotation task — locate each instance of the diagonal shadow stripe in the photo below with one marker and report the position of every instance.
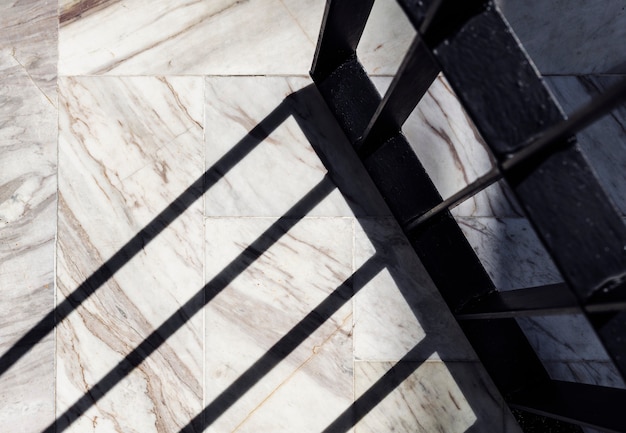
(194, 305)
(287, 344)
(379, 390)
(209, 178)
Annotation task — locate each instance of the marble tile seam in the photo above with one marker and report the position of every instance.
(30, 77)
(315, 351)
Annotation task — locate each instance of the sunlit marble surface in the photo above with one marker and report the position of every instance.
(208, 38)
(28, 140)
(127, 148)
(268, 288)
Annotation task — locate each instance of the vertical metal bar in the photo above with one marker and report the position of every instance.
(411, 82)
(342, 27)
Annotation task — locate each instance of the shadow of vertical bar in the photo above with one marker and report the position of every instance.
(181, 316)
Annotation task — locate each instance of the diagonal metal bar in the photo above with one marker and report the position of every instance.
(409, 85)
(571, 213)
(550, 139)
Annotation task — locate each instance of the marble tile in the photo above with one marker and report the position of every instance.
(302, 145)
(27, 230)
(567, 37)
(386, 38)
(604, 142)
(29, 30)
(510, 251)
(591, 372)
(268, 361)
(452, 151)
(225, 37)
(180, 37)
(434, 396)
(563, 338)
(127, 148)
(393, 311)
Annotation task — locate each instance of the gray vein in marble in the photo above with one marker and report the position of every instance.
(446, 142)
(591, 372)
(510, 251)
(295, 155)
(27, 229)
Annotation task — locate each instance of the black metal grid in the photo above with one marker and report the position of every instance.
(536, 153)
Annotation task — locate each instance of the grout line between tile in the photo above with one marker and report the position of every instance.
(204, 168)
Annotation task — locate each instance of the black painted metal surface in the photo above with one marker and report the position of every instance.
(535, 153)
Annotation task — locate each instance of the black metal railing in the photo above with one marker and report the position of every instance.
(536, 153)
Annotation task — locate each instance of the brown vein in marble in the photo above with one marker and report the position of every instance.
(82, 8)
(178, 101)
(108, 328)
(137, 52)
(315, 351)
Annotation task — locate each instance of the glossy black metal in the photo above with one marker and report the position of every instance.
(535, 301)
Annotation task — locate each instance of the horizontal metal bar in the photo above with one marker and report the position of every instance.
(589, 405)
(454, 200)
(533, 301)
(553, 136)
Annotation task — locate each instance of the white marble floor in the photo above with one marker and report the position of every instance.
(187, 242)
